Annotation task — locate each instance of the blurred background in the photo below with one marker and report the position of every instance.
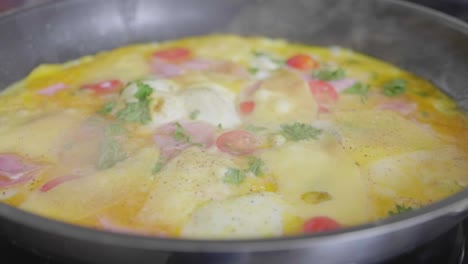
(457, 8)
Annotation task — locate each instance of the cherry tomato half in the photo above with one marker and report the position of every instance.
(323, 92)
(174, 55)
(237, 142)
(302, 62)
(320, 224)
(247, 107)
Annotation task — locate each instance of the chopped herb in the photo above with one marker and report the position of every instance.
(220, 126)
(179, 134)
(135, 112)
(114, 129)
(143, 91)
(399, 209)
(194, 114)
(315, 197)
(254, 128)
(234, 176)
(253, 70)
(358, 89)
(255, 166)
(107, 108)
(257, 53)
(326, 74)
(394, 87)
(299, 131)
(111, 153)
(158, 166)
(425, 114)
(263, 54)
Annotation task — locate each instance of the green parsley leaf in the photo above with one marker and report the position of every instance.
(255, 166)
(135, 112)
(299, 131)
(358, 89)
(143, 91)
(270, 57)
(114, 129)
(394, 87)
(111, 153)
(194, 114)
(326, 74)
(399, 209)
(253, 70)
(179, 134)
(220, 126)
(234, 176)
(107, 108)
(158, 166)
(254, 128)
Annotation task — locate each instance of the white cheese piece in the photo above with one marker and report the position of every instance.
(214, 105)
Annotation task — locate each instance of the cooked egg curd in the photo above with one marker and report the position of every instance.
(227, 137)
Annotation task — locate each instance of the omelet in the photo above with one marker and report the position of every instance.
(227, 137)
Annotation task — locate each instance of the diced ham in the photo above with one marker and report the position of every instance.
(250, 90)
(170, 69)
(402, 106)
(57, 181)
(109, 226)
(15, 170)
(341, 85)
(165, 68)
(51, 90)
(198, 132)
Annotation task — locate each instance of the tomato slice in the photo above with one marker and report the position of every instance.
(323, 92)
(320, 224)
(174, 55)
(302, 62)
(56, 182)
(237, 142)
(105, 87)
(247, 107)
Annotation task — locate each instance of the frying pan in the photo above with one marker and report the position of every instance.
(424, 42)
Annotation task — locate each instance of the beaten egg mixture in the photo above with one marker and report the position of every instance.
(227, 137)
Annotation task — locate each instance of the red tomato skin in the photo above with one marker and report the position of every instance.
(302, 62)
(237, 142)
(320, 224)
(173, 55)
(323, 91)
(105, 87)
(247, 107)
(56, 182)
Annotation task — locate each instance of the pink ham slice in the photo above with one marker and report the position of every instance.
(199, 133)
(250, 90)
(108, 225)
(169, 69)
(341, 85)
(16, 170)
(51, 90)
(57, 181)
(401, 106)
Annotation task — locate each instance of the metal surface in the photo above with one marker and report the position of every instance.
(424, 42)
